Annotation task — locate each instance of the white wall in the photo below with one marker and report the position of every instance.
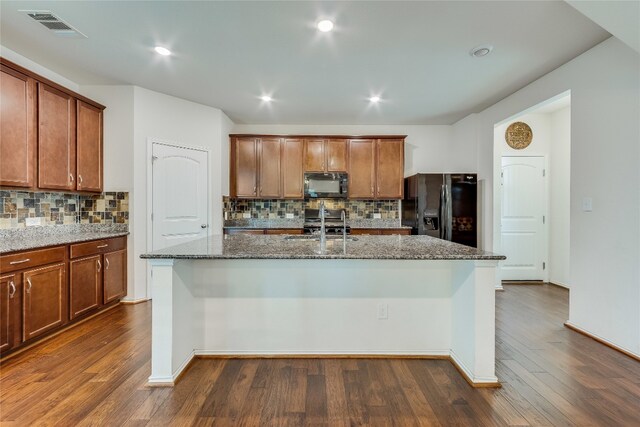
(427, 148)
(560, 197)
(16, 58)
(605, 165)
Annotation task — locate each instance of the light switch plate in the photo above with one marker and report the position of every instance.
(587, 204)
(289, 216)
(29, 222)
(246, 214)
(377, 216)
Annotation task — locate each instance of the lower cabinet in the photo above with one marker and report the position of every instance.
(10, 306)
(85, 285)
(263, 231)
(381, 231)
(115, 276)
(44, 299)
(44, 289)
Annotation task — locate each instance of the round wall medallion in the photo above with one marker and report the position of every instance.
(518, 135)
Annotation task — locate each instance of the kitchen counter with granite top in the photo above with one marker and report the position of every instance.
(303, 247)
(15, 240)
(284, 224)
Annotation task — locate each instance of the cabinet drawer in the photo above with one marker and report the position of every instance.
(284, 231)
(98, 247)
(395, 231)
(28, 259)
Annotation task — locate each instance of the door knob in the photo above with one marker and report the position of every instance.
(203, 226)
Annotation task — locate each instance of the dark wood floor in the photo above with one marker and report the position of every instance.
(95, 374)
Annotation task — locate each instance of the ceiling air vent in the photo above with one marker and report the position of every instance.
(54, 23)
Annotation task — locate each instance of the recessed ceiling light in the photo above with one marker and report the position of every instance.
(266, 98)
(374, 99)
(480, 51)
(162, 51)
(325, 25)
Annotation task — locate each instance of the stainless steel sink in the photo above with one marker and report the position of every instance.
(316, 238)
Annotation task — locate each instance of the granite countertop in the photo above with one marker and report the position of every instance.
(360, 247)
(54, 235)
(299, 223)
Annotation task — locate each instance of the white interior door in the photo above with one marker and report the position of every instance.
(180, 195)
(522, 218)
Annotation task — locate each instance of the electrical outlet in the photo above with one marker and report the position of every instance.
(587, 204)
(377, 216)
(246, 214)
(29, 222)
(383, 311)
(289, 216)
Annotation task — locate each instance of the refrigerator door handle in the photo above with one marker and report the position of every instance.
(442, 213)
(449, 215)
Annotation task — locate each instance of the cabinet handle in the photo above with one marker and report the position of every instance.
(106, 260)
(12, 289)
(254, 189)
(102, 246)
(79, 179)
(19, 262)
(28, 286)
(372, 190)
(71, 178)
(99, 266)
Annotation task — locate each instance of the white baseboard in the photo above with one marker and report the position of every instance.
(311, 354)
(562, 285)
(602, 340)
(472, 378)
(170, 381)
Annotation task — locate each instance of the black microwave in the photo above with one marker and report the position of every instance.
(326, 185)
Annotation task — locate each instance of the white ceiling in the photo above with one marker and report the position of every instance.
(415, 55)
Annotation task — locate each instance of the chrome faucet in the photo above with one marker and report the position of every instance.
(323, 234)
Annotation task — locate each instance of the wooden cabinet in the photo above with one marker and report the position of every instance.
(98, 274)
(381, 231)
(389, 168)
(273, 167)
(115, 276)
(10, 297)
(44, 296)
(85, 285)
(17, 129)
(325, 155)
(50, 137)
(263, 231)
(362, 169)
(376, 168)
(56, 139)
(269, 182)
(89, 162)
(292, 168)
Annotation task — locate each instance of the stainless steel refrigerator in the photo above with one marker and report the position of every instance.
(442, 205)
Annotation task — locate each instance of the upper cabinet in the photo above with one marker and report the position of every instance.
(56, 139)
(273, 167)
(17, 129)
(255, 168)
(89, 147)
(325, 155)
(51, 137)
(362, 157)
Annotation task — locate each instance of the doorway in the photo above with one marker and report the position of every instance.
(180, 195)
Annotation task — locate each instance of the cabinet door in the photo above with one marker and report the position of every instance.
(390, 169)
(361, 168)
(17, 129)
(56, 139)
(292, 176)
(244, 174)
(89, 146)
(337, 155)
(9, 311)
(314, 155)
(270, 168)
(115, 275)
(85, 280)
(43, 300)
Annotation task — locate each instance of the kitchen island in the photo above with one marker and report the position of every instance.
(274, 295)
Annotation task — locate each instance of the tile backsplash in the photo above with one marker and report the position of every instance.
(272, 209)
(62, 208)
